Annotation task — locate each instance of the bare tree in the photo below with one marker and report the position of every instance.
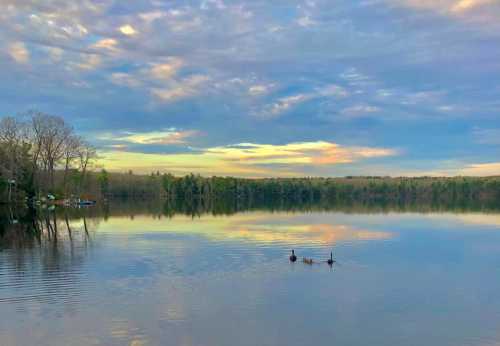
(86, 154)
(34, 145)
(71, 154)
(14, 147)
(11, 138)
(50, 134)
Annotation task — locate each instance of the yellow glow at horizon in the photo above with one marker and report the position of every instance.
(240, 159)
(482, 169)
(177, 163)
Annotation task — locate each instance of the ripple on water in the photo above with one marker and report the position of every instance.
(33, 277)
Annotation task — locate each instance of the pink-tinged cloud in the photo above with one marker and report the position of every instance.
(244, 159)
(166, 137)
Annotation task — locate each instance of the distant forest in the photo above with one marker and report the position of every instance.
(218, 191)
(41, 154)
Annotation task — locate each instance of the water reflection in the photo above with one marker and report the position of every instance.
(149, 274)
(43, 253)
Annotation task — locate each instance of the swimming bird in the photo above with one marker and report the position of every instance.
(330, 260)
(308, 260)
(293, 258)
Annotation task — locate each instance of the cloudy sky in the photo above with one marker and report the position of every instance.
(264, 88)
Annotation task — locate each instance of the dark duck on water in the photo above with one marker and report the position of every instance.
(330, 260)
(293, 258)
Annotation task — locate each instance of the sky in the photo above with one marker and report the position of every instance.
(264, 88)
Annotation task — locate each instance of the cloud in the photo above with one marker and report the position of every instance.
(127, 30)
(286, 103)
(109, 44)
(256, 227)
(153, 75)
(422, 97)
(245, 159)
(244, 62)
(55, 53)
(166, 137)
(306, 21)
(19, 52)
(125, 79)
(179, 90)
(257, 90)
(481, 169)
(218, 4)
(165, 70)
(359, 110)
(89, 62)
(152, 16)
(355, 78)
(485, 11)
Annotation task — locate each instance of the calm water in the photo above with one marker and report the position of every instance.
(142, 278)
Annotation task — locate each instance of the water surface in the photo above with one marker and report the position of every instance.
(147, 277)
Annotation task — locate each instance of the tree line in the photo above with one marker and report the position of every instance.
(41, 154)
(331, 190)
(206, 192)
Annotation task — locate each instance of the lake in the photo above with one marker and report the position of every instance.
(127, 275)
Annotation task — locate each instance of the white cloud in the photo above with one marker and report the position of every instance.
(332, 90)
(356, 78)
(106, 44)
(306, 21)
(128, 30)
(446, 108)
(179, 90)
(218, 4)
(125, 79)
(286, 103)
(152, 16)
(422, 97)
(19, 52)
(359, 110)
(478, 11)
(165, 70)
(259, 89)
(89, 62)
(55, 53)
(171, 136)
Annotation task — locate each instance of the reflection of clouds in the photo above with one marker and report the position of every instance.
(125, 330)
(319, 234)
(479, 219)
(262, 228)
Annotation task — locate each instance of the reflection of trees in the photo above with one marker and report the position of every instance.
(42, 253)
(198, 207)
(158, 208)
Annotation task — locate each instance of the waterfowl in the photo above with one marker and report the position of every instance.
(307, 260)
(330, 260)
(293, 258)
